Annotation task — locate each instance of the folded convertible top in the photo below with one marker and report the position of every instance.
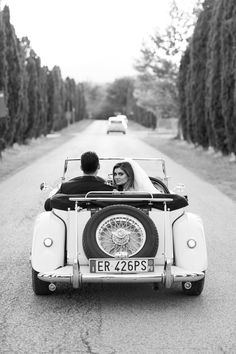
(102, 199)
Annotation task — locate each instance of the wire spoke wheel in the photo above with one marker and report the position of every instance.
(120, 233)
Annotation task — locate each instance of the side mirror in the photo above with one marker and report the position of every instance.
(110, 179)
(180, 189)
(43, 186)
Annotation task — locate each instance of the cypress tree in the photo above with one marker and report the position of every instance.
(70, 99)
(3, 61)
(13, 77)
(228, 55)
(50, 96)
(215, 65)
(198, 75)
(234, 51)
(59, 120)
(182, 82)
(42, 100)
(31, 130)
(188, 104)
(22, 122)
(80, 103)
(3, 81)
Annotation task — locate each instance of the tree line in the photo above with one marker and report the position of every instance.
(207, 79)
(105, 100)
(199, 87)
(38, 100)
(153, 94)
(121, 96)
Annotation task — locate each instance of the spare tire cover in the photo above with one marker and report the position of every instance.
(120, 228)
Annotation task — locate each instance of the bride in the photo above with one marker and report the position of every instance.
(128, 175)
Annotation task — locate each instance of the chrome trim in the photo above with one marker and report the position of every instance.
(189, 243)
(189, 277)
(61, 275)
(45, 242)
(120, 158)
(121, 199)
(76, 279)
(168, 277)
(70, 274)
(122, 278)
(117, 193)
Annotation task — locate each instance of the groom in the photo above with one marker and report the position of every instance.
(88, 182)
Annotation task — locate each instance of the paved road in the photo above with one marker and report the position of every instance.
(113, 319)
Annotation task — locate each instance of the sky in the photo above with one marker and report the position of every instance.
(90, 40)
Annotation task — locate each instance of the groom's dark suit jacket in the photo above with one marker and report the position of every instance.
(80, 185)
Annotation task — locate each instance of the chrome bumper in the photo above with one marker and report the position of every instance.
(165, 275)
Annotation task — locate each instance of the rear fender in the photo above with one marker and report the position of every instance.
(189, 226)
(48, 225)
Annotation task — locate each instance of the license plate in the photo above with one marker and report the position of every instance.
(110, 265)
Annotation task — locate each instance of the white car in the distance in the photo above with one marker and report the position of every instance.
(119, 237)
(117, 124)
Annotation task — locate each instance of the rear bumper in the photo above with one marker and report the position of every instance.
(165, 275)
(116, 131)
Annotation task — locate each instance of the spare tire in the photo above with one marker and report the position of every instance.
(120, 228)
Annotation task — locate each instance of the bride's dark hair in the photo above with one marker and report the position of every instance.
(127, 168)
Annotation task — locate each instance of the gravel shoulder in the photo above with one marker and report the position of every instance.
(209, 166)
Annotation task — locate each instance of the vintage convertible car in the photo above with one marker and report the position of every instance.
(119, 237)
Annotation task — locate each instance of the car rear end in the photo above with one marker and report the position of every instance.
(117, 243)
(116, 124)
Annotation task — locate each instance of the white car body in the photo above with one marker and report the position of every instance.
(116, 124)
(124, 117)
(60, 247)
